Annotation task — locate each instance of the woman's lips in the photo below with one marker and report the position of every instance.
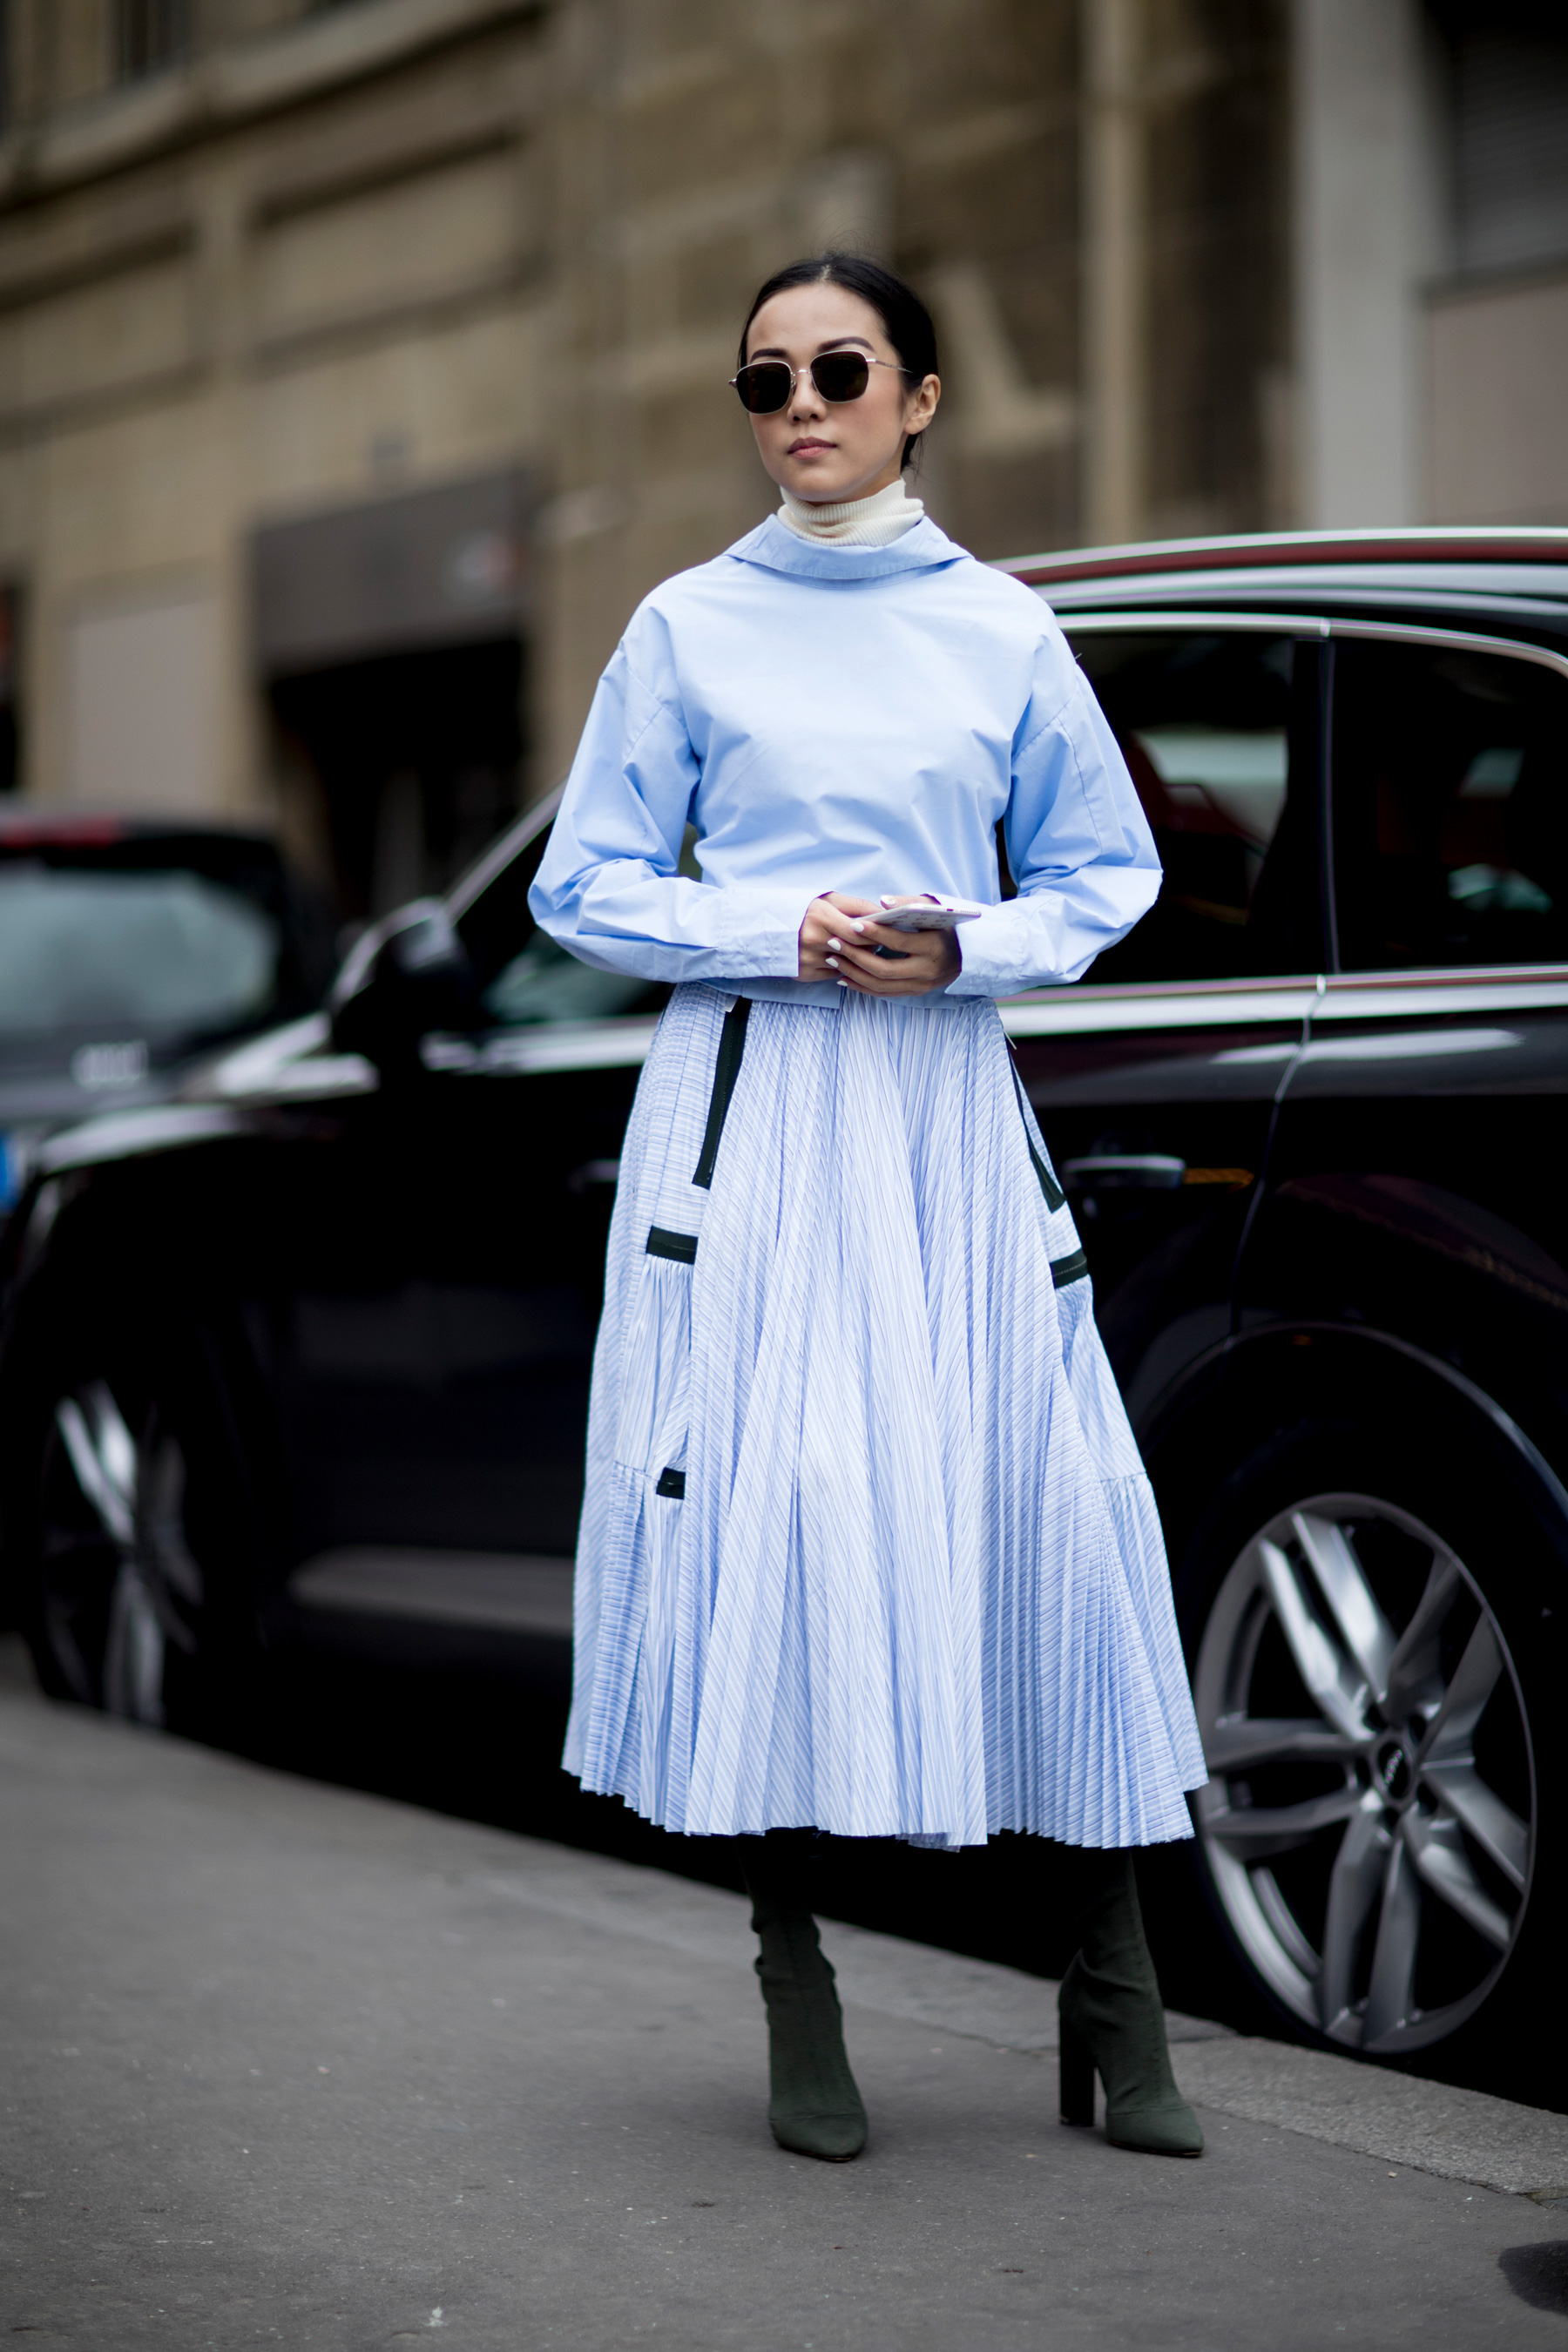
(807, 448)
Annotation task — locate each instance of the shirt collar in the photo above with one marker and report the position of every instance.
(778, 550)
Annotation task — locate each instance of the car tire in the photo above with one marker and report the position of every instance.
(1370, 1614)
(128, 1545)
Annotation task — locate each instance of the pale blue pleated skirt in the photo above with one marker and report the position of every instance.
(866, 1543)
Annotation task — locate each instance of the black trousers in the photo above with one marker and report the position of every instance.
(780, 1871)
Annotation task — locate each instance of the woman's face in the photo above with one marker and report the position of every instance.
(850, 448)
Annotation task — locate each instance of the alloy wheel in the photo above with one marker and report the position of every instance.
(1369, 1824)
(119, 1585)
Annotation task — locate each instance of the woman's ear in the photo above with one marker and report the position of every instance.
(922, 405)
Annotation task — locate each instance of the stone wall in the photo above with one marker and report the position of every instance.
(342, 254)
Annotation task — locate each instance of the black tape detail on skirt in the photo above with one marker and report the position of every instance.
(1069, 1269)
(1053, 1192)
(672, 1483)
(726, 1070)
(681, 1247)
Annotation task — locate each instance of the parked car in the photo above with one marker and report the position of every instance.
(128, 947)
(304, 1355)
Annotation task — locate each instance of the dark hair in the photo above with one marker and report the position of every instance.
(905, 318)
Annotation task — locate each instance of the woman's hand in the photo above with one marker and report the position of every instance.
(839, 935)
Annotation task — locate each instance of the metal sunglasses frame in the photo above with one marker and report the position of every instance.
(810, 370)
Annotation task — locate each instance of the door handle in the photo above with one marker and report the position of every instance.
(1107, 1172)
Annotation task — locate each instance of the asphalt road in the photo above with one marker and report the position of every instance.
(284, 2064)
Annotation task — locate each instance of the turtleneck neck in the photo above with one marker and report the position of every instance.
(875, 521)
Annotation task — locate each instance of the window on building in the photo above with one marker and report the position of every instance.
(1510, 83)
(149, 35)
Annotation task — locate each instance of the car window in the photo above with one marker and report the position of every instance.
(147, 952)
(528, 977)
(1450, 807)
(545, 983)
(1218, 731)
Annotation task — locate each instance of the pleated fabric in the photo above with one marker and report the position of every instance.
(866, 1542)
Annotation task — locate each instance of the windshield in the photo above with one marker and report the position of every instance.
(130, 950)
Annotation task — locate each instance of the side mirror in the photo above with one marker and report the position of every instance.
(408, 975)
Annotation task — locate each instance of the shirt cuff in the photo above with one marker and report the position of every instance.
(762, 930)
(986, 967)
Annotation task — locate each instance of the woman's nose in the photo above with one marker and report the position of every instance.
(804, 401)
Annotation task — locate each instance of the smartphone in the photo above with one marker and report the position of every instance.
(923, 917)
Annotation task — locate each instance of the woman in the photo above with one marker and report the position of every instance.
(866, 1547)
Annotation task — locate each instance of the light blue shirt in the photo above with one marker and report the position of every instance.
(852, 719)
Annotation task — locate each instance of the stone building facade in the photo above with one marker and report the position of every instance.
(362, 361)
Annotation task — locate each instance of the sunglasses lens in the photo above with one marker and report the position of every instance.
(764, 387)
(840, 375)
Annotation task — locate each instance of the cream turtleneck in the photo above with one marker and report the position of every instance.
(875, 521)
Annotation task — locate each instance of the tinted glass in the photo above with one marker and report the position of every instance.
(532, 980)
(1218, 734)
(545, 983)
(1450, 776)
(143, 951)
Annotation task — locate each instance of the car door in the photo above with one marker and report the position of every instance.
(449, 1282)
(1154, 1080)
(1370, 1577)
(1417, 1155)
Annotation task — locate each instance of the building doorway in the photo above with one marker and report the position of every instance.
(416, 757)
(391, 645)
(10, 674)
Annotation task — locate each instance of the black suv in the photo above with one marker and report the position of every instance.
(306, 1355)
(129, 948)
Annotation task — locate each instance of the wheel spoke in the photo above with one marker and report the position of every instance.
(102, 1454)
(61, 1632)
(1260, 1829)
(1239, 1741)
(1496, 1828)
(1362, 1627)
(1391, 1991)
(134, 1653)
(167, 1564)
(1354, 1885)
(1453, 1727)
(1437, 1850)
(1416, 1669)
(1330, 1678)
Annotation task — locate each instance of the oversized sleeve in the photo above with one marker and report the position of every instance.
(1078, 844)
(607, 888)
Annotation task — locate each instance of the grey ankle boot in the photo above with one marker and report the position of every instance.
(814, 2107)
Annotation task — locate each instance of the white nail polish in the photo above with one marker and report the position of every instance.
(833, 963)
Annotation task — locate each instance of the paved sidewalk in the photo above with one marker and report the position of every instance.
(285, 2064)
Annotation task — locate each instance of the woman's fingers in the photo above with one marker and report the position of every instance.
(874, 976)
(913, 950)
(838, 938)
(875, 935)
(827, 920)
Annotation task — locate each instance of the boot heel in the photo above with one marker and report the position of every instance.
(1075, 2074)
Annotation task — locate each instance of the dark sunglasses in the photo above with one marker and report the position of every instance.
(767, 385)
